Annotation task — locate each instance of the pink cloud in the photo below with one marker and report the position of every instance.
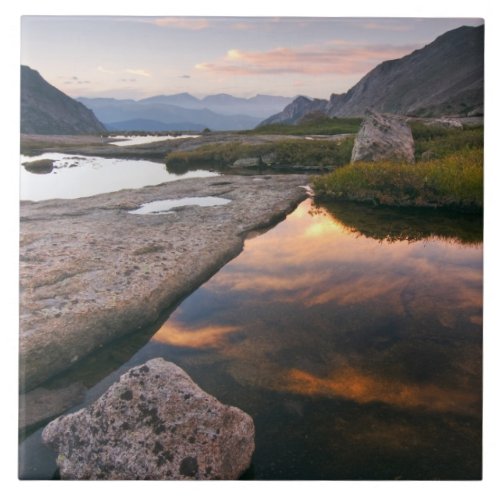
(373, 25)
(335, 58)
(187, 23)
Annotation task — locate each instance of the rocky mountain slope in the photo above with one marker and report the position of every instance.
(47, 110)
(446, 77)
(296, 110)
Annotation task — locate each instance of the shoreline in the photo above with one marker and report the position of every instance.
(92, 272)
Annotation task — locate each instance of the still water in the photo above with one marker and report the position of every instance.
(76, 176)
(351, 335)
(135, 140)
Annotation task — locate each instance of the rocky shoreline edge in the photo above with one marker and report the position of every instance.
(92, 271)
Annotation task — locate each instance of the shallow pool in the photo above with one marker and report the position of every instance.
(76, 176)
(352, 336)
(134, 140)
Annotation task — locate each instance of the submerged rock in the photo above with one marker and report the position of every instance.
(154, 423)
(248, 162)
(41, 404)
(383, 137)
(259, 161)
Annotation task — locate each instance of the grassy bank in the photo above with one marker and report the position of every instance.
(455, 181)
(291, 152)
(439, 142)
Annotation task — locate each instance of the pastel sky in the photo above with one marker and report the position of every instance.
(135, 57)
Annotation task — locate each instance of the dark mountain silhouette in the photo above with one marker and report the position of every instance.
(446, 77)
(47, 110)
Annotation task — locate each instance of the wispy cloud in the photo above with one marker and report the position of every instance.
(374, 25)
(75, 80)
(128, 80)
(241, 26)
(186, 23)
(139, 72)
(337, 57)
(101, 69)
(184, 76)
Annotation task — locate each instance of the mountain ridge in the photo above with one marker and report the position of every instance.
(445, 77)
(233, 112)
(46, 110)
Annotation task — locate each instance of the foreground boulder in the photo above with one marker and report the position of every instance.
(383, 137)
(154, 423)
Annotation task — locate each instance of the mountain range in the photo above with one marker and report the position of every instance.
(47, 110)
(446, 77)
(185, 112)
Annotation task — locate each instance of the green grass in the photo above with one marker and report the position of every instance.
(441, 141)
(455, 181)
(312, 126)
(290, 152)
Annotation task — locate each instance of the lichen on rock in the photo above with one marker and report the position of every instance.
(154, 423)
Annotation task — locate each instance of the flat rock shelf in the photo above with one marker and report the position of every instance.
(90, 271)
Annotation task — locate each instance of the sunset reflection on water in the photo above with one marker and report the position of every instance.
(385, 330)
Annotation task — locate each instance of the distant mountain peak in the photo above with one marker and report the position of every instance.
(217, 112)
(47, 110)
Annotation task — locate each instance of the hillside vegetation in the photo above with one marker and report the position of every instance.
(316, 124)
(288, 152)
(448, 173)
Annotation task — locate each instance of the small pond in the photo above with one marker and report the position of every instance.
(351, 335)
(135, 140)
(76, 176)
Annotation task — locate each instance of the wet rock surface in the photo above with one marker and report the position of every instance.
(42, 404)
(383, 137)
(154, 423)
(91, 271)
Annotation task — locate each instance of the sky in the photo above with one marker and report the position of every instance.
(135, 57)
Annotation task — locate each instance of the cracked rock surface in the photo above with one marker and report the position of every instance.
(154, 423)
(90, 271)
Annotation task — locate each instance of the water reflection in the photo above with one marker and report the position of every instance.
(407, 224)
(78, 176)
(380, 330)
(362, 388)
(135, 140)
(357, 357)
(186, 336)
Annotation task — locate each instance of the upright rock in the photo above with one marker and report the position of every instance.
(154, 423)
(383, 137)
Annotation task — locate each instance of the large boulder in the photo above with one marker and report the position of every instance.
(154, 423)
(383, 137)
